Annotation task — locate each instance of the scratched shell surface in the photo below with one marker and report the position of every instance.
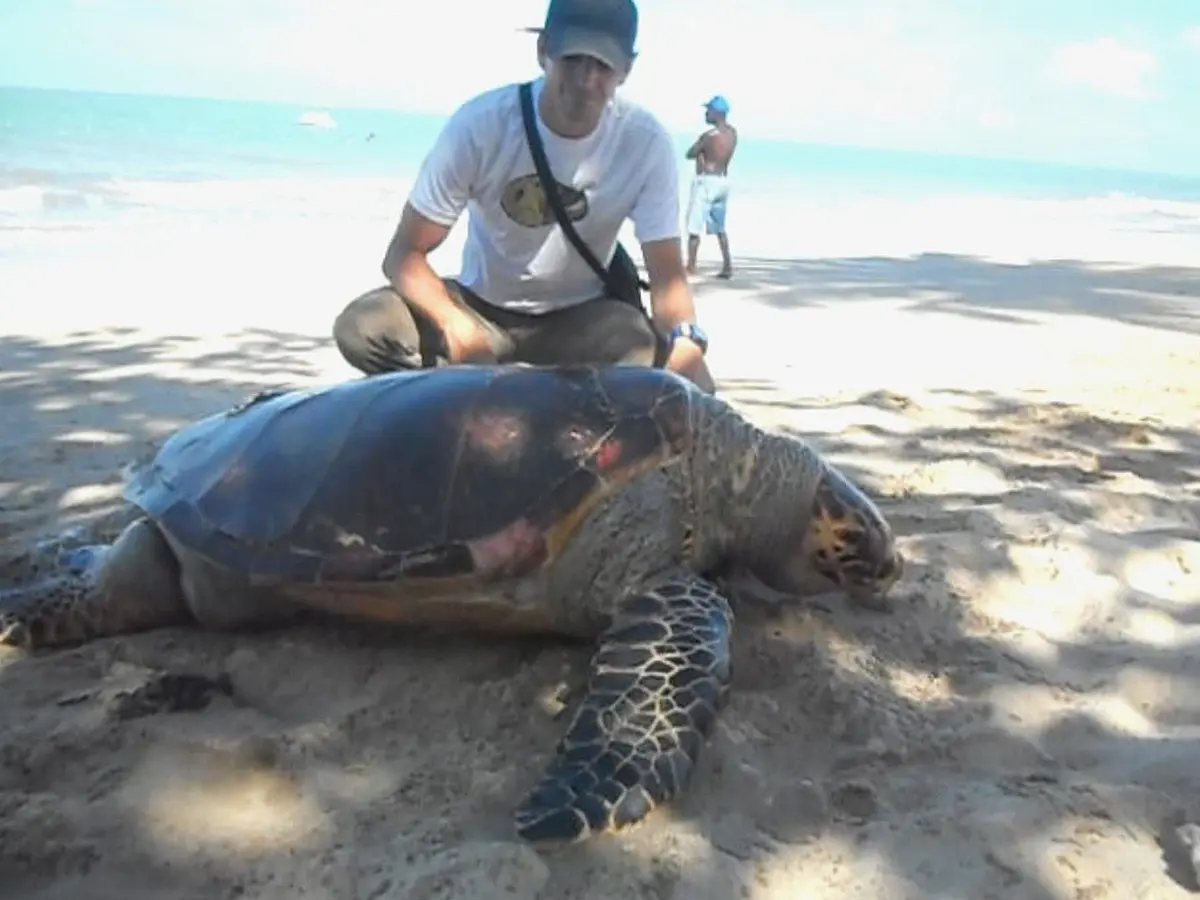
(409, 474)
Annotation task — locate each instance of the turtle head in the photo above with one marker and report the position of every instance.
(849, 542)
(792, 514)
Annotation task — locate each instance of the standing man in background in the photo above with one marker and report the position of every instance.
(712, 152)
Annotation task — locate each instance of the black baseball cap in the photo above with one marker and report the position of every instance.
(604, 29)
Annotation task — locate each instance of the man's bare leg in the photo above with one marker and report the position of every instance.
(727, 268)
(693, 250)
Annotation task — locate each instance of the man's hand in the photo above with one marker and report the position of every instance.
(671, 302)
(687, 359)
(468, 341)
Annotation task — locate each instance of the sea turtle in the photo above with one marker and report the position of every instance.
(594, 502)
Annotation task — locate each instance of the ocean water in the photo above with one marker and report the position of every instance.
(73, 159)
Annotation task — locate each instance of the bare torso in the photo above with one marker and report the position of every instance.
(716, 150)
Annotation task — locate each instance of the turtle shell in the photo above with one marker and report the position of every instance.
(465, 471)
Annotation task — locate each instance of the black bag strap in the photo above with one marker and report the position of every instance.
(550, 189)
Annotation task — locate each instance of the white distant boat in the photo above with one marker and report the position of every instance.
(316, 118)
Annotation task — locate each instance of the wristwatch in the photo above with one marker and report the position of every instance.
(692, 332)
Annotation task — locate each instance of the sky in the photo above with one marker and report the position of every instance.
(1094, 82)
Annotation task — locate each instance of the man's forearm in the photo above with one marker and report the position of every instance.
(697, 148)
(672, 305)
(413, 278)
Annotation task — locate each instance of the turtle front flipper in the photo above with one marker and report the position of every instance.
(658, 679)
(131, 586)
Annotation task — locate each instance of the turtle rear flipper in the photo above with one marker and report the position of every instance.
(658, 679)
(131, 586)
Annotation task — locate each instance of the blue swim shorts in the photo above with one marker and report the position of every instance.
(707, 204)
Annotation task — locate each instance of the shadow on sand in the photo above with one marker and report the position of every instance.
(99, 401)
(1153, 296)
(874, 749)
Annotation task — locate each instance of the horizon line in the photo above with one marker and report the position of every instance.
(876, 148)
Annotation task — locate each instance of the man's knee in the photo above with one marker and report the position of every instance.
(357, 314)
(376, 332)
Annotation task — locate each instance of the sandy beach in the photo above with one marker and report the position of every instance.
(1024, 726)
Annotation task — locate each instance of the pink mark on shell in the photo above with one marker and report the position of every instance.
(500, 435)
(609, 454)
(517, 549)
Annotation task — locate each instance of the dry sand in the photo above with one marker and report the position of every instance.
(1023, 726)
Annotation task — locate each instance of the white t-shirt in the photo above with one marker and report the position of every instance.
(516, 255)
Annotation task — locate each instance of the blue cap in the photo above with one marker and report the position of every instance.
(604, 29)
(718, 104)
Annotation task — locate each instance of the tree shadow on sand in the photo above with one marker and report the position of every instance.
(1163, 297)
(937, 751)
(106, 399)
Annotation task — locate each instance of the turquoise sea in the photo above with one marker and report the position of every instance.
(72, 155)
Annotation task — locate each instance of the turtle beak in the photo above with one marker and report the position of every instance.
(874, 594)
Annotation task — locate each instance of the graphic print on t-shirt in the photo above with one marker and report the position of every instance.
(524, 201)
